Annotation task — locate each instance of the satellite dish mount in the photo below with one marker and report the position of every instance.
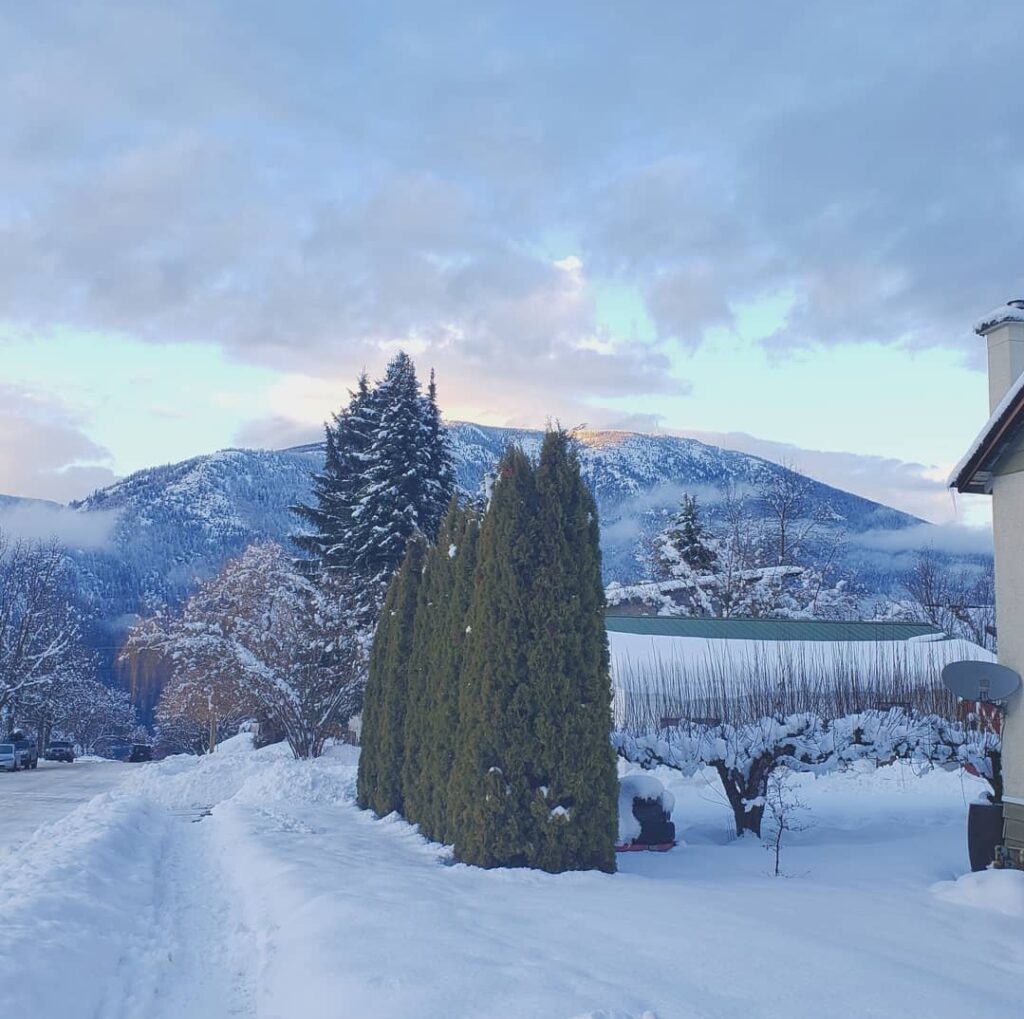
(985, 682)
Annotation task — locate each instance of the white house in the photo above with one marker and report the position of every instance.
(994, 465)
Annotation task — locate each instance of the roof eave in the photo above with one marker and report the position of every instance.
(975, 473)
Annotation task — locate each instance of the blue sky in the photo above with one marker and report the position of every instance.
(769, 228)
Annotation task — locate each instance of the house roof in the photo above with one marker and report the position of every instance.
(768, 629)
(975, 471)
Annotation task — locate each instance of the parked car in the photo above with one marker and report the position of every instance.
(28, 755)
(140, 752)
(8, 757)
(59, 750)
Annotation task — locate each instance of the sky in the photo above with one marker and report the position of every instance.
(770, 226)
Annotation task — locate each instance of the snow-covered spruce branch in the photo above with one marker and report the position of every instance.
(745, 755)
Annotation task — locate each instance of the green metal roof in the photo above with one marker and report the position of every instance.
(767, 629)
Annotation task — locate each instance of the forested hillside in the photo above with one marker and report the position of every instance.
(178, 523)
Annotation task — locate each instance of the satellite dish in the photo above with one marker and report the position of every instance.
(980, 681)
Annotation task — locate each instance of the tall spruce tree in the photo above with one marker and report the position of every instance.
(489, 816)
(401, 493)
(387, 475)
(336, 488)
(575, 800)
(379, 780)
(441, 471)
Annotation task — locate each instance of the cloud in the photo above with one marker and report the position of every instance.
(305, 188)
(277, 433)
(44, 453)
(915, 488)
(39, 521)
(956, 539)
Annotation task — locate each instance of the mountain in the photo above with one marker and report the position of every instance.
(173, 525)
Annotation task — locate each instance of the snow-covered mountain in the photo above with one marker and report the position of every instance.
(171, 525)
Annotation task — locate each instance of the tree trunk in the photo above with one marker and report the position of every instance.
(213, 733)
(741, 791)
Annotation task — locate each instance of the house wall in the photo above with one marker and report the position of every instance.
(1008, 531)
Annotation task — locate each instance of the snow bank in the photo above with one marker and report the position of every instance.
(72, 897)
(999, 890)
(251, 776)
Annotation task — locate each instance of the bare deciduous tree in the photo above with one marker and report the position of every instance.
(262, 638)
(40, 625)
(957, 599)
(785, 810)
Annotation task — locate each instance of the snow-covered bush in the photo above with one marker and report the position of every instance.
(745, 755)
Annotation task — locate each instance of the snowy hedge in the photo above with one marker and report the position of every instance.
(745, 755)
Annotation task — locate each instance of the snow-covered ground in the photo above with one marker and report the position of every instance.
(286, 902)
(29, 799)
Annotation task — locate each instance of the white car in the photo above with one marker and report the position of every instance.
(8, 757)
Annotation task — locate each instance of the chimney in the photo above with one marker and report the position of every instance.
(1004, 331)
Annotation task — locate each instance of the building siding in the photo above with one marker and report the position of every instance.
(1008, 527)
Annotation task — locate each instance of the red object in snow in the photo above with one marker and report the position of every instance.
(638, 847)
(987, 717)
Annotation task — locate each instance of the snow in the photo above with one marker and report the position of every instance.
(998, 890)
(644, 787)
(49, 792)
(1012, 312)
(247, 884)
(982, 437)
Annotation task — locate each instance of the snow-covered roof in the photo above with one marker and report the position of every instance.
(736, 628)
(974, 471)
(1012, 311)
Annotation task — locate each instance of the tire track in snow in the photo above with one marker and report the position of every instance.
(193, 952)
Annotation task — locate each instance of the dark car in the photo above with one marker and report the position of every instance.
(59, 750)
(140, 752)
(28, 756)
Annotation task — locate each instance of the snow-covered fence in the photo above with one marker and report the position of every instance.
(743, 681)
(745, 754)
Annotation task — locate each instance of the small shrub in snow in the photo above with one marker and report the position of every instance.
(785, 811)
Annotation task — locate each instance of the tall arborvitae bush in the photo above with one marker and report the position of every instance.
(443, 720)
(576, 785)
(490, 788)
(379, 780)
(434, 588)
(507, 711)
